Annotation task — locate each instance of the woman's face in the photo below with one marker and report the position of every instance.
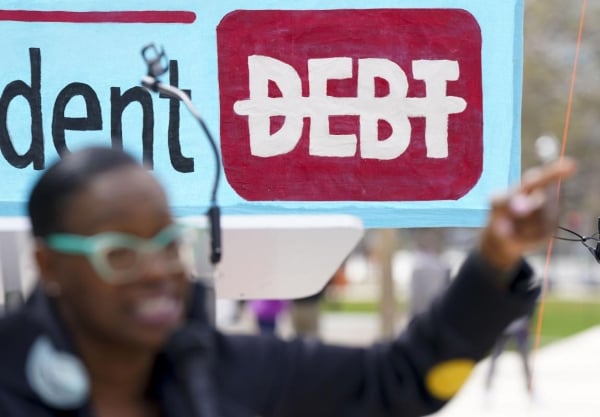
(139, 314)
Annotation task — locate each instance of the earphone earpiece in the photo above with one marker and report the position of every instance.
(597, 253)
(597, 250)
(59, 378)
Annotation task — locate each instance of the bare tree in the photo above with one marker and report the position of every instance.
(550, 40)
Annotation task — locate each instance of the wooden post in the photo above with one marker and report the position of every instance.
(385, 246)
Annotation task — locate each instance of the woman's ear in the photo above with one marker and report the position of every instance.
(45, 260)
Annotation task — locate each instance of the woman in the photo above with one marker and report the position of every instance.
(116, 328)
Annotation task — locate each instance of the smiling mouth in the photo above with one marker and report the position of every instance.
(160, 311)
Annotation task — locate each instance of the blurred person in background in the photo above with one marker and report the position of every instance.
(430, 273)
(517, 331)
(267, 313)
(117, 328)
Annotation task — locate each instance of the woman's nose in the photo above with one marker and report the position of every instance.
(160, 266)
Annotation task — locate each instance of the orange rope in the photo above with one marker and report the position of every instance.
(540, 317)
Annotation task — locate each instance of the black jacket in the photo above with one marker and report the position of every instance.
(205, 373)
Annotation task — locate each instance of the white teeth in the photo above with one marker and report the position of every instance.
(157, 305)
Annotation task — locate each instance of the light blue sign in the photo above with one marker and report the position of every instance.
(443, 114)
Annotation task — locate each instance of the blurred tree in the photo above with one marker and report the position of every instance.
(550, 38)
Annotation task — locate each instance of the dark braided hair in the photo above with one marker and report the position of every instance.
(65, 178)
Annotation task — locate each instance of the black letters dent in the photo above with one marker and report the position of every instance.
(92, 121)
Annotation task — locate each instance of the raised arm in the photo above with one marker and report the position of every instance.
(426, 365)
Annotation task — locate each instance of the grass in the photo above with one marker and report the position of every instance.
(562, 317)
(344, 306)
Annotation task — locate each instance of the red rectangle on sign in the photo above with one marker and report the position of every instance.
(351, 105)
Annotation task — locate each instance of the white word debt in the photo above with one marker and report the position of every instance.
(395, 108)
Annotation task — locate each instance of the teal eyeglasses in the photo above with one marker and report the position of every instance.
(120, 257)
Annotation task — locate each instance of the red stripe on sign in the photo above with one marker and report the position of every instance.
(145, 16)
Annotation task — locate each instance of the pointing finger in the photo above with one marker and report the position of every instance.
(548, 174)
